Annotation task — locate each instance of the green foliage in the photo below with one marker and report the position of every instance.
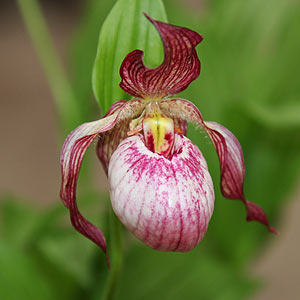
(125, 29)
(29, 272)
(18, 272)
(83, 49)
(195, 275)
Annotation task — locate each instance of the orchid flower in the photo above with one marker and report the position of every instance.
(160, 186)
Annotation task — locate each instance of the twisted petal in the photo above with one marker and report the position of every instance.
(71, 157)
(229, 152)
(166, 203)
(180, 66)
(233, 170)
(72, 154)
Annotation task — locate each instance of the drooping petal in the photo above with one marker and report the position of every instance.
(71, 157)
(233, 170)
(72, 154)
(109, 141)
(166, 203)
(180, 66)
(229, 152)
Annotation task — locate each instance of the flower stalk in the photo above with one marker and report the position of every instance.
(116, 256)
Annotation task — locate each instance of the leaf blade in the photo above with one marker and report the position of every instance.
(117, 39)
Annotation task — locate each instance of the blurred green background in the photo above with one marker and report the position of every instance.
(249, 83)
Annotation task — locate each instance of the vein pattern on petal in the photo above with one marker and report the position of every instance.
(180, 66)
(166, 203)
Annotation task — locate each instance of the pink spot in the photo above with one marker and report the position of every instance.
(150, 142)
(169, 137)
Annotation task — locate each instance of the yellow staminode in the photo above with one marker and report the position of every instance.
(158, 131)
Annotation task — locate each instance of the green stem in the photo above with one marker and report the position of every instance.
(116, 256)
(58, 81)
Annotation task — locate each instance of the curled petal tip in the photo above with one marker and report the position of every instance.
(148, 17)
(255, 213)
(107, 260)
(180, 66)
(273, 230)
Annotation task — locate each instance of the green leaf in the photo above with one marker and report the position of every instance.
(82, 51)
(71, 255)
(26, 229)
(19, 277)
(124, 30)
(150, 274)
(18, 220)
(283, 117)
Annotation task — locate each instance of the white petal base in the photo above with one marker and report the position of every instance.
(166, 203)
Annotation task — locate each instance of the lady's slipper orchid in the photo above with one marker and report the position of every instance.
(160, 186)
